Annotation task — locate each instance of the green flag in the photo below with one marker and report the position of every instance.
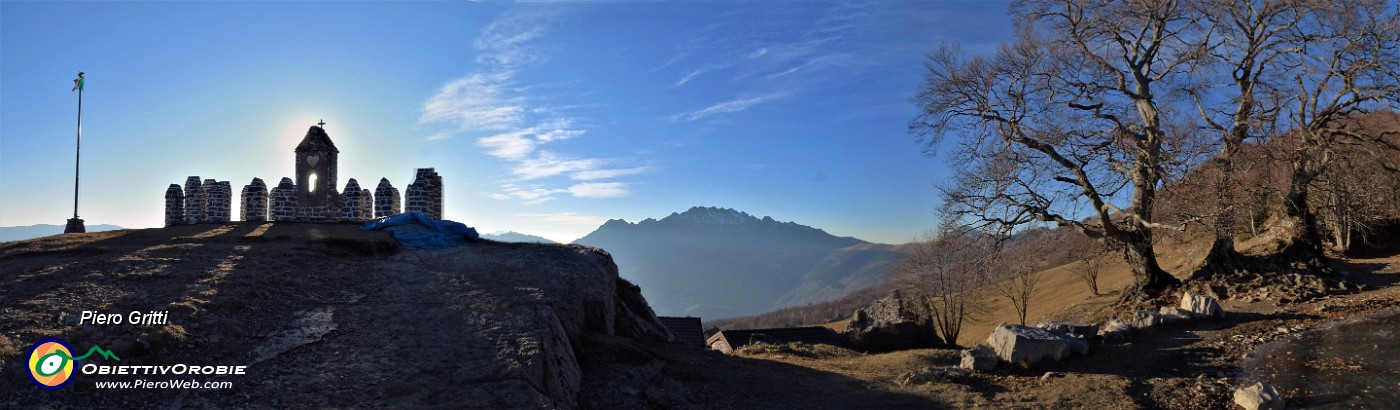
(78, 83)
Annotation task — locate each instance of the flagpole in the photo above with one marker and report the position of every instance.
(75, 225)
(78, 154)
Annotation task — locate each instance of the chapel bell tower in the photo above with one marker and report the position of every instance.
(316, 167)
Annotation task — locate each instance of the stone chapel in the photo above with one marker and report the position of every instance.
(311, 197)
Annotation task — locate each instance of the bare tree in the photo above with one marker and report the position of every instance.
(1354, 200)
(1232, 88)
(1021, 274)
(1089, 262)
(950, 273)
(1068, 121)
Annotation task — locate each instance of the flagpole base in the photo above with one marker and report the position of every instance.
(75, 225)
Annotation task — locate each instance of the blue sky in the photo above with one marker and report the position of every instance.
(545, 118)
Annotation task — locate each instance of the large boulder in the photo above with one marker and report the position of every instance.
(1028, 345)
(979, 358)
(1259, 396)
(1201, 305)
(894, 322)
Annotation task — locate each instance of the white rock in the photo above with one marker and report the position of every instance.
(1173, 314)
(1259, 396)
(1146, 318)
(978, 358)
(1021, 344)
(1115, 329)
(1201, 305)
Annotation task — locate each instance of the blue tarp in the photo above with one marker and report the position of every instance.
(418, 230)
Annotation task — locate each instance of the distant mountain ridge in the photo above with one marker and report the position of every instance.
(15, 233)
(720, 262)
(512, 236)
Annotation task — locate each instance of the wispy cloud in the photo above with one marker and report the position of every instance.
(593, 174)
(493, 102)
(690, 75)
(600, 190)
(764, 47)
(730, 106)
(475, 102)
(548, 164)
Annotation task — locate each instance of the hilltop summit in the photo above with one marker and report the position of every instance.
(323, 315)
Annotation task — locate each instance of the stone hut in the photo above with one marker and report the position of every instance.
(317, 160)
(254, 203)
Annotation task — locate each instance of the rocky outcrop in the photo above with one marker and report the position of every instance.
(1028, 345)
(979, 358)
(1259, 396)
(895, 322)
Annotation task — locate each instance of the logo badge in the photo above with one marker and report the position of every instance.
(51, 363)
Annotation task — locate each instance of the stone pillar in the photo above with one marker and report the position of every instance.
(194, 200)
(283, 199)
(350, 208)
(366, 209)
(174, 205)
(386, 199)
(218, 201)
(425, 193)
(254, 201)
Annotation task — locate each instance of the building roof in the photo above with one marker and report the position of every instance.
(316, 139)
(686, 329)
(808, 335)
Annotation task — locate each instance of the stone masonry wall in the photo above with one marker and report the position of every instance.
(386, 199)
(425, 193)
(254, 201)
(328, 213)
(284, 201)
(174, 205)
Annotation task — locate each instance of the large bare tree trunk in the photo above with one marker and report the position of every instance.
(1148, 277)
(1302, 242)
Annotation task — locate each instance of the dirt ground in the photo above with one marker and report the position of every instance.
(1189, 365)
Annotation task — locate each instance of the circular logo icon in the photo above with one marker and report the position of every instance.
(51, 363)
